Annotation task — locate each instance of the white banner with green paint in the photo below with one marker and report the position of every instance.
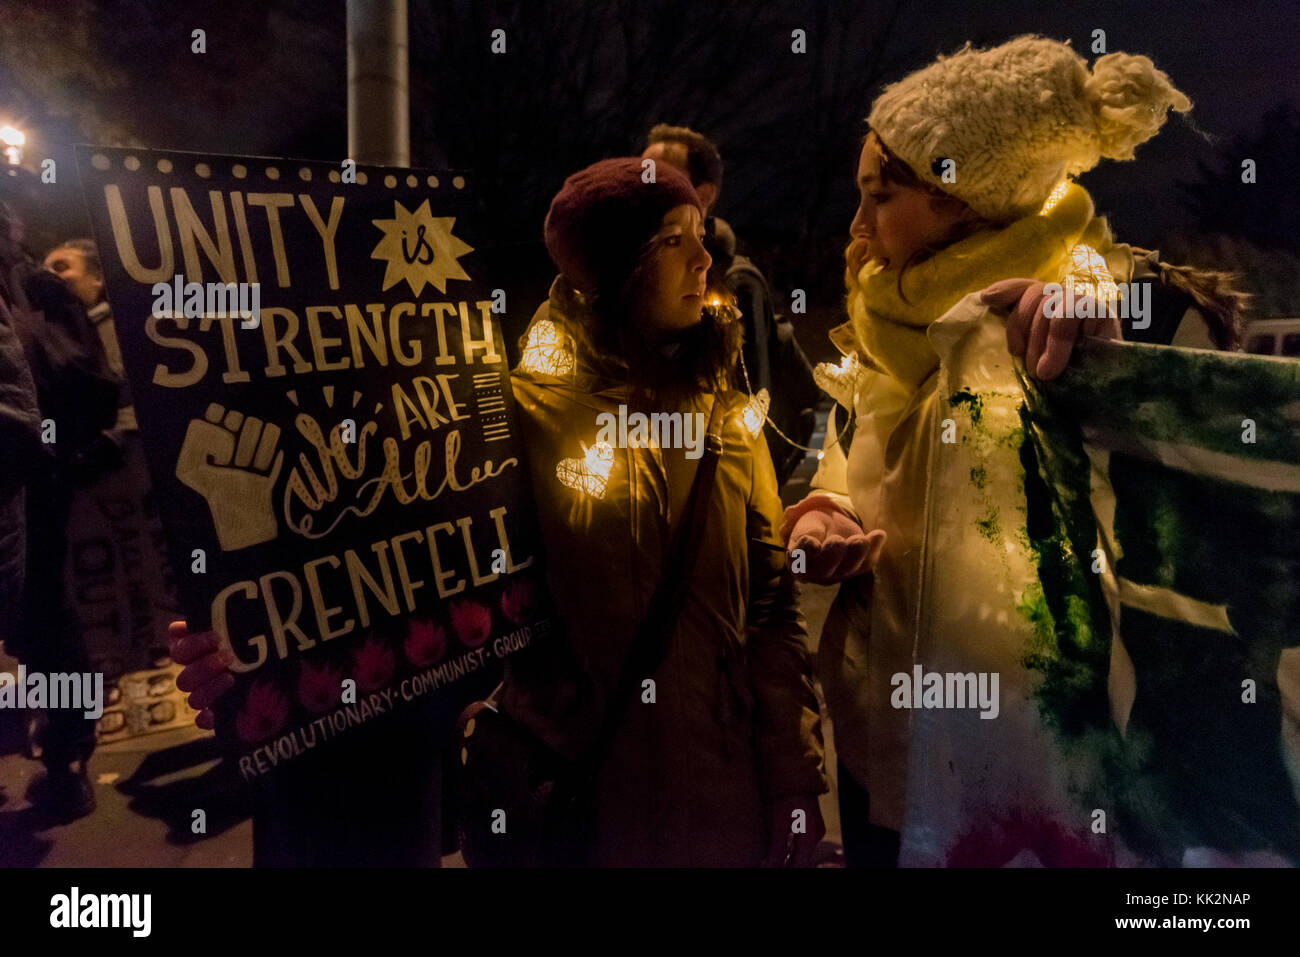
(1173, 478)
(1122, 548)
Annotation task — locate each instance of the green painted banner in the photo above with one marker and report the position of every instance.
(1163, 492)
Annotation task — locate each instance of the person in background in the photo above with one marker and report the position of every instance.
(772, 358)
(20, 437)
(77, 396)
(76, 262)
(120, 477)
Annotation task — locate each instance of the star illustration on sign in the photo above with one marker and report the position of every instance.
(420, 248)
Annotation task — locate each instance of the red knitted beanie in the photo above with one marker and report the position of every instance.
(604, 214)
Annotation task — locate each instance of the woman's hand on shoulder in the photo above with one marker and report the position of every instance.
(1044, 342)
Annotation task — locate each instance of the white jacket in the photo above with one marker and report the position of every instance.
(953, 593)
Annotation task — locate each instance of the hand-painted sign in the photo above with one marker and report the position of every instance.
(323, 395)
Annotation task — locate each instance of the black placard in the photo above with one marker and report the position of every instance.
(334, 448)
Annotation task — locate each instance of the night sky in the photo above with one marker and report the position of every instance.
(581, 81)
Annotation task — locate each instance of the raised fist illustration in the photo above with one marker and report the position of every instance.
(225, 458)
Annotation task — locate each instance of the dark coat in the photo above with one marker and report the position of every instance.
(20, 431)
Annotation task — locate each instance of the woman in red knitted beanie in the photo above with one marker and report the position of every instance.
(616, 232)
(718, 758)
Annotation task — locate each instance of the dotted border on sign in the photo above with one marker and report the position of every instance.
(245, 170)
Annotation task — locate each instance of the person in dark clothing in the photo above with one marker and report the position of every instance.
(77, 397)
(772, 359)
(20, 437)
(76, 263)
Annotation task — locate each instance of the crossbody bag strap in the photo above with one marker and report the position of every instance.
(654, 635)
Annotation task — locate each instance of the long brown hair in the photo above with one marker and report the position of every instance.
(1217, 299)
(663, 372)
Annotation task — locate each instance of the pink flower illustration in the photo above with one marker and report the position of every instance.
(319, 687)
(264, 713)
(519, 601)
(472, 621)
(373, 664)
(426, 641)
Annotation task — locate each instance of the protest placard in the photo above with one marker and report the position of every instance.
(323, 395)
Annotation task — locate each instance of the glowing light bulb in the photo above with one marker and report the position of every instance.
(1054, 197)
(839, 381)
(1090, 276)
(756, 411)
(547, 351)
(590, 474)
(13, 140)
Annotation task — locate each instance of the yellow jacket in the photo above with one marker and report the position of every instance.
(735, 721)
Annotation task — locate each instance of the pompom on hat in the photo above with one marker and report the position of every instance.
(604, 214)
(1017, 119)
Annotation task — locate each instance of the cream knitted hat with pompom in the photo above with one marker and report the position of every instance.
(1019, 118)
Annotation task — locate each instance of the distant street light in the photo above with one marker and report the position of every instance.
(13, 140)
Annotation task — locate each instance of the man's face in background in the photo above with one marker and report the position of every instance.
(676, 155)
(70, 265)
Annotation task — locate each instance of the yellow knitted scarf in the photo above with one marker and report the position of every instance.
(1061, 241)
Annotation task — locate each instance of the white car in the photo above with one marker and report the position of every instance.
(1274, 337)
